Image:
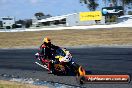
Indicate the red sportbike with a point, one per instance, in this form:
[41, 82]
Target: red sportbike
[62, 63]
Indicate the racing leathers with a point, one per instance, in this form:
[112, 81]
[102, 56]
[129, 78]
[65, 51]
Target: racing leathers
[46, 52]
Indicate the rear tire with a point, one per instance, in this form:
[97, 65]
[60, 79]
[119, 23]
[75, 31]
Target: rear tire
[60, 70]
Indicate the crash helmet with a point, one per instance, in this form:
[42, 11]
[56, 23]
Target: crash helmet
[47, 41]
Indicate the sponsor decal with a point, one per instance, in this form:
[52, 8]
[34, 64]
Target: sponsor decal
[109, 11]
[94, 15]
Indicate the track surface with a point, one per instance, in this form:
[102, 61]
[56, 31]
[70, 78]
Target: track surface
[20, 62]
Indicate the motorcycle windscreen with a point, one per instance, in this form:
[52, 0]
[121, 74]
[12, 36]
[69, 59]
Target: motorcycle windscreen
[60, 52]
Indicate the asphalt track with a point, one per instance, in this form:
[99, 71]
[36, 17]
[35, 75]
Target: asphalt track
[20, 63]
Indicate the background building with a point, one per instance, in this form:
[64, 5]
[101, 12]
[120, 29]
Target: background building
[7, 22]
[68, 20]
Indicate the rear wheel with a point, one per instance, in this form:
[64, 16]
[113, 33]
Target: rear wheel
[59, 69]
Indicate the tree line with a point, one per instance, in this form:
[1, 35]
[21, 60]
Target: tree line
[28, 22]
[93, 4]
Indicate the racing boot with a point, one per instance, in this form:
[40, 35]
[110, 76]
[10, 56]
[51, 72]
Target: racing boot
[51, 68]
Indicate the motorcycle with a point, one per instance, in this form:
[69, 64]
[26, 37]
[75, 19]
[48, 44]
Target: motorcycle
[62, 64]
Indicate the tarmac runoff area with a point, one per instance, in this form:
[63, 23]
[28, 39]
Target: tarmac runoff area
[20, 66]
[100, 59]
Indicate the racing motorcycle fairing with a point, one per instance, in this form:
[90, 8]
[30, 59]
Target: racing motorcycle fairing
[63, 55]
[62, 64]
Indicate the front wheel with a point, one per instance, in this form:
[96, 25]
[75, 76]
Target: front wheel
[74, 67]
[81, 80]
[80, 75]
[81, 71]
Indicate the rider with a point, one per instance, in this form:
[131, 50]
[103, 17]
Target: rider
[46, 52]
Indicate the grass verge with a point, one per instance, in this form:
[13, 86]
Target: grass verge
[68, 37]
[8, 84]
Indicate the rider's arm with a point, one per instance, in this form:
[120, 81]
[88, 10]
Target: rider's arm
[54, 46]
[42, 50]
